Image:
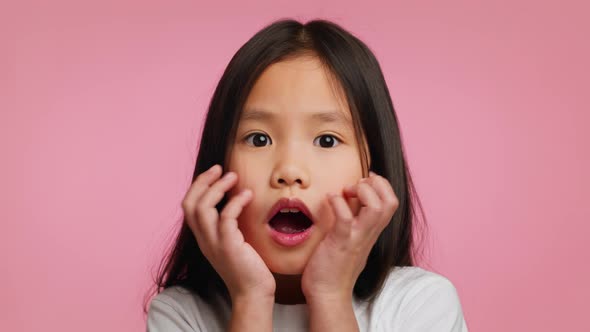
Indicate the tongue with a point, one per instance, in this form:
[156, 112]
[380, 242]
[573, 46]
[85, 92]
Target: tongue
[290, 223]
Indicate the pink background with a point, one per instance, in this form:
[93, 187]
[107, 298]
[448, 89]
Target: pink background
[101, 107]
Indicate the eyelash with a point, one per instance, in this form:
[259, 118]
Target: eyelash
[247, 139]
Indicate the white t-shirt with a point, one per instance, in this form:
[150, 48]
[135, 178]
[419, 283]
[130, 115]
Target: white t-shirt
[412, 299]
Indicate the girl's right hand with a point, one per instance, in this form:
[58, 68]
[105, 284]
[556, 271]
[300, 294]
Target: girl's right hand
[244, 272]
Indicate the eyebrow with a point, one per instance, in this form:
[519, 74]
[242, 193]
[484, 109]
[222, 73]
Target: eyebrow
[257, 114]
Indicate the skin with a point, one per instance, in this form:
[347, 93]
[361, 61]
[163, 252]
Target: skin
[349, 210]
[293, 165]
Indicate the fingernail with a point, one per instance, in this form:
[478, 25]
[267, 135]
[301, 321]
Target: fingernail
[230, 175]
[371, 173]
[247, 192]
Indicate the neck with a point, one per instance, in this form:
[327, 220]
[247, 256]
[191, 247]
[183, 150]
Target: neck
[288, 290]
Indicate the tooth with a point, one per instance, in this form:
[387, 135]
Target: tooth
[294, 210]
[286, 210]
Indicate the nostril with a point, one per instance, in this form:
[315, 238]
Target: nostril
[282, 181]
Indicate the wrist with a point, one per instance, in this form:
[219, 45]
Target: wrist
[252, 294]
[247, 299]
[332, 312]
[329, 299]
[251, 312]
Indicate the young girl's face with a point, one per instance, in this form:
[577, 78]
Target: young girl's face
[295, 139]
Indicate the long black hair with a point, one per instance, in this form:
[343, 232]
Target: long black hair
[354, 66]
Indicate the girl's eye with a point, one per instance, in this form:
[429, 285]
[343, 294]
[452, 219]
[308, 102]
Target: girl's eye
[258, 139]
[326, 141]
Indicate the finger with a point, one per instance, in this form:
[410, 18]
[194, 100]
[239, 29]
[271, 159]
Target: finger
[381, 185]
[202, 233]
[192, 198]
[215, 193]
[386, 194]
[351, 190]
[205, 212]
[371, 213]
[354, 204]
[367, 195]
[228, 221]
[344, 217]
[199, 186]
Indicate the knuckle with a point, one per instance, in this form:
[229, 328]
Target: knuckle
[381, 180]
[200, 207]
[186, 205]
[347, 220]
[394, 202]
[376, 209]
[202, 177]
[392, 207]
[364, 189]
[391, 202]
[201, 216]
[391, 210]
[226, 213]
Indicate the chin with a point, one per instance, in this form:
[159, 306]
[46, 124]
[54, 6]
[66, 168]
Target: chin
[287, 265]
[288, 270]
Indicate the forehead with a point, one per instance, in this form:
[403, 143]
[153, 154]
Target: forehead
[298, 86]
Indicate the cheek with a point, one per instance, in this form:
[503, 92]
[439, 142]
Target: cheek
[251, 213]
[245, 176]
[237, 188]
[248, 181]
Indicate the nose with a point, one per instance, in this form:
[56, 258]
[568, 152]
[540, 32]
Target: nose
[288, 173]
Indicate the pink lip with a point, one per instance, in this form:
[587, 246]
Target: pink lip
[289, 240]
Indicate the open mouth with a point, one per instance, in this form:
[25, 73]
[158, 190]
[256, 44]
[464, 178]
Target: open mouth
[290, 221]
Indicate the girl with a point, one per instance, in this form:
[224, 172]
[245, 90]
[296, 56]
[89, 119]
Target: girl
[300, 215]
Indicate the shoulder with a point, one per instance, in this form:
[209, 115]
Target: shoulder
[414, 281]
[178, 309]
[175, 298]
[414, 298]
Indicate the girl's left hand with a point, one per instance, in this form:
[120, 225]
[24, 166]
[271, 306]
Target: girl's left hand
[335, 265]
